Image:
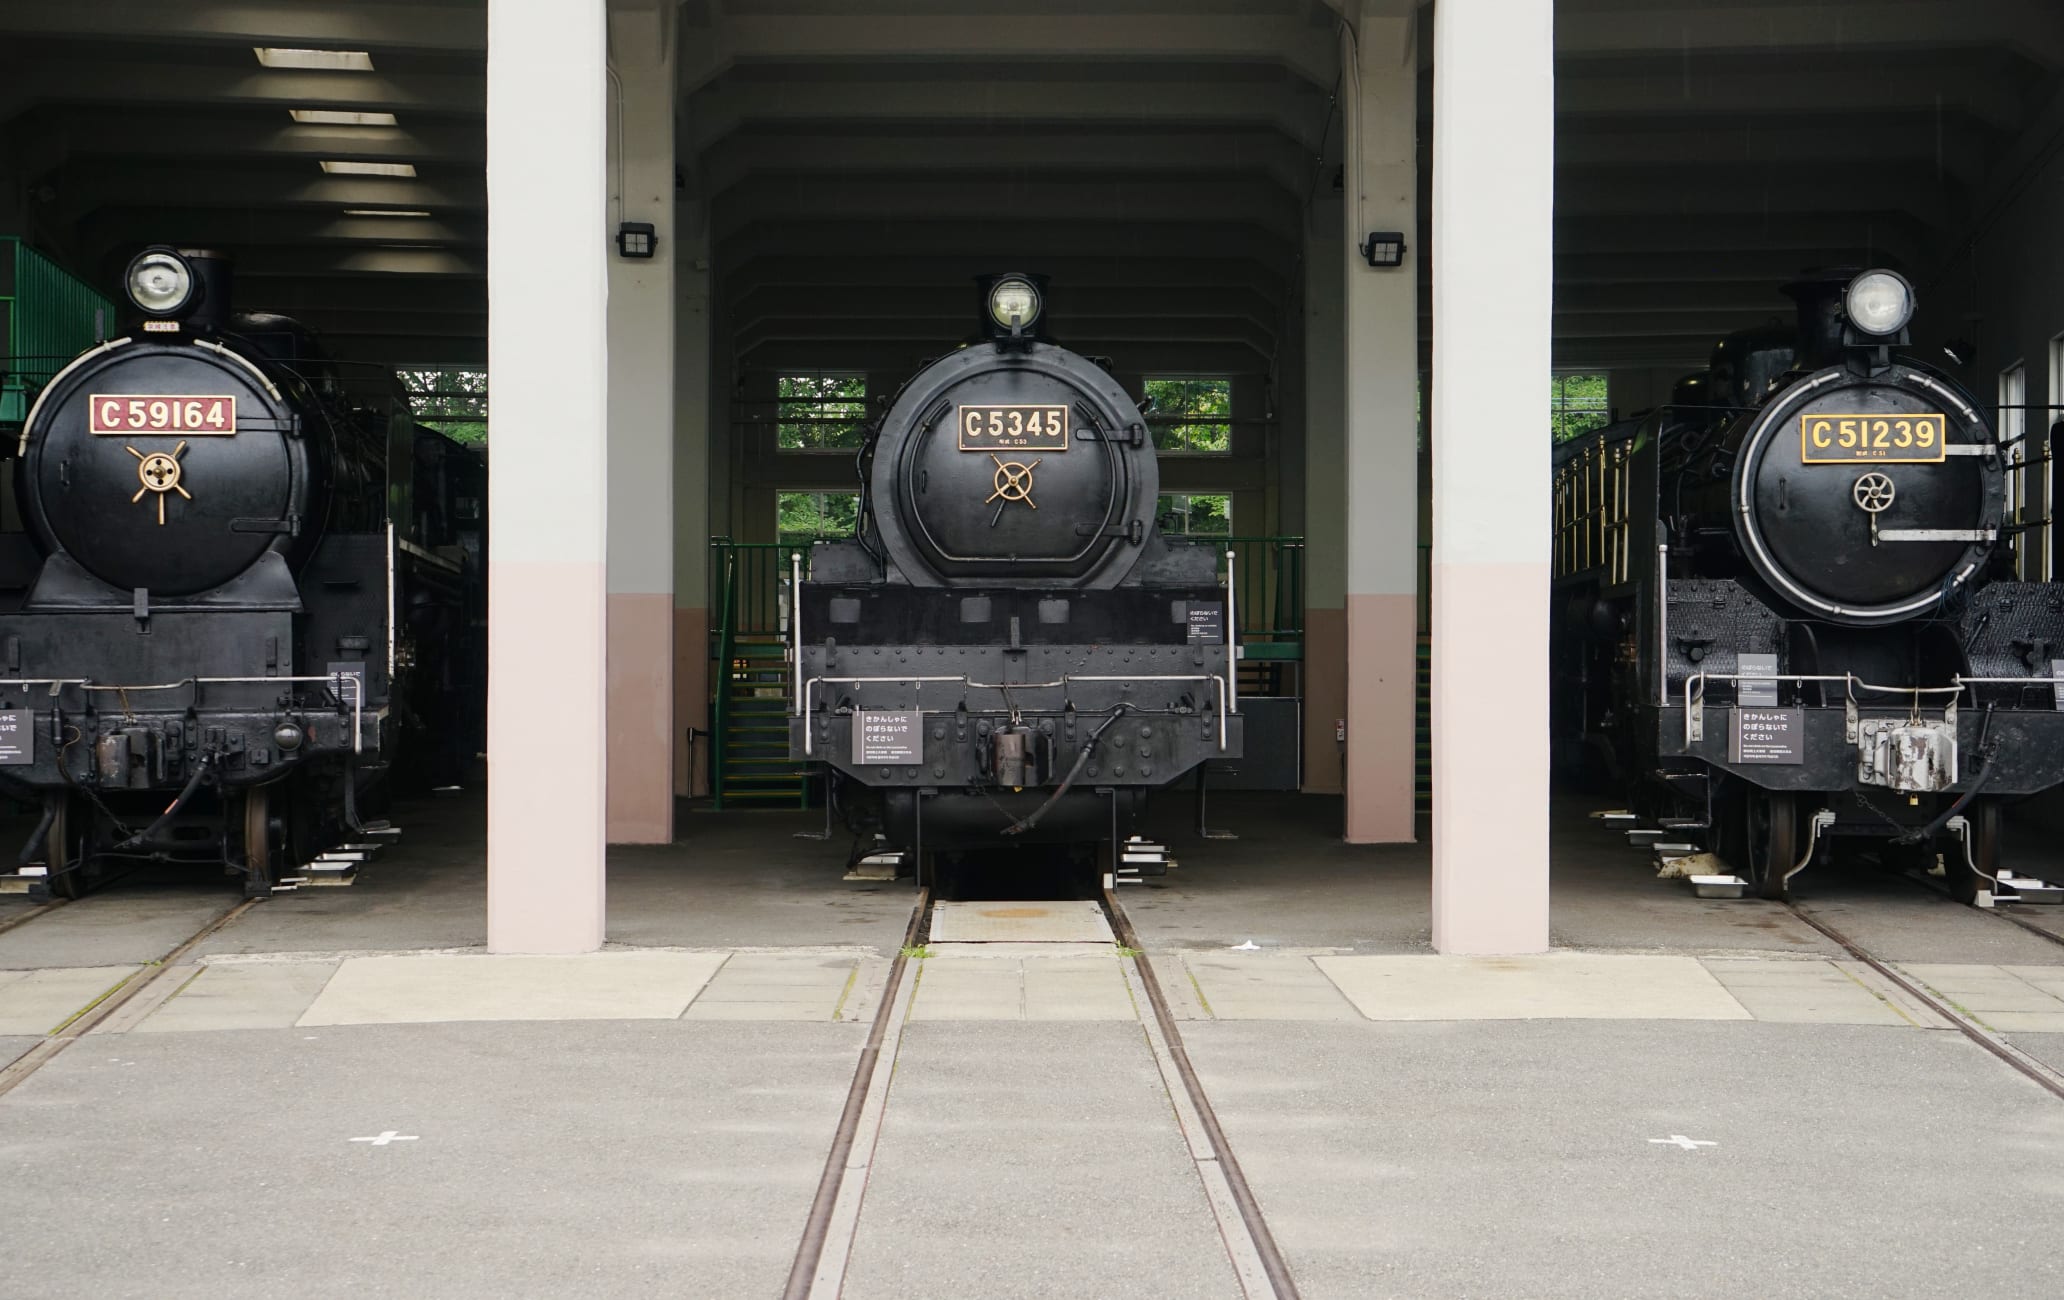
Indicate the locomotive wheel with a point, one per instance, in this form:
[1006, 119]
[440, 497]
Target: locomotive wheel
[1768, 838]
[261, 856]
[72, 873]
[1964, 883]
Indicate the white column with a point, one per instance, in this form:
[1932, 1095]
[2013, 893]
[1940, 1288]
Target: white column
[641, 420]
[548, 360]
[1380, 109]
[1493, 201]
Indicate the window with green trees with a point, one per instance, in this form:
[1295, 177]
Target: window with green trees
[449, 399]
[1577, 403]
[1191, 414]
[820, 411]
[1194, 516]
[805, 517]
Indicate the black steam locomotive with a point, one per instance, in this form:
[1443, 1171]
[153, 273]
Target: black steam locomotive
[245, 573]
[1787, 612]
[1009, 652]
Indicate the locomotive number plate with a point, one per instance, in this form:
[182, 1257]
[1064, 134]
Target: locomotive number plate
[127, 413]
[1013, 428]
[1841, 439]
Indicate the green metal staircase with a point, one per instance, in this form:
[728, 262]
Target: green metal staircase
[754, 684]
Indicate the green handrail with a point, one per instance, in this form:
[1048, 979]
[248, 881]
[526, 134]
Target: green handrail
[720, 707]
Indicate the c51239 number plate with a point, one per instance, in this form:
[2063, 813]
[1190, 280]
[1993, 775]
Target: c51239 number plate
[1013, 428]
[1843, 439]
[125, 414]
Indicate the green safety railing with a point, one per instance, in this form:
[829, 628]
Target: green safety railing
[751, 687]
[47, 317]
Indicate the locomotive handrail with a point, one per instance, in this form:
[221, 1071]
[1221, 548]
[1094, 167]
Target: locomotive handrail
[810, 692]
[1695, 730]
[87, 684]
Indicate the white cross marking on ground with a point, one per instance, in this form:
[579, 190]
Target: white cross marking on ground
[389, 1136]
[1674, 1140]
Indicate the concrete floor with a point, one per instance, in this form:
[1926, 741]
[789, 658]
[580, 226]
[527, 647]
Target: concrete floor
[652, 1118]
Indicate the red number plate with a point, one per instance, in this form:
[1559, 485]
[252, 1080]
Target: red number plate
[133, 413]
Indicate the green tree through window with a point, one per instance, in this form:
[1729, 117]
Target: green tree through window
[805, 517]
[1577, 404]
[1191, 414]
[1194, 516]
[449, 399]
[820, 412]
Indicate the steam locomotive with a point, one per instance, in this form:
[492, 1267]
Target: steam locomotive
[1009, 652]
[244, 573]
[1787, 610]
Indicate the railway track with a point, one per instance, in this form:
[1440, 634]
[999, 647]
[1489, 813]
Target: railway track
[31, 913]
[819, 1268]
[84, 1022]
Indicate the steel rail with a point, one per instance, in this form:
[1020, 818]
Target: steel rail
[40, 909]
[2035, 1071]
[1251, 1217]
[802, 1272]
[86, 1021]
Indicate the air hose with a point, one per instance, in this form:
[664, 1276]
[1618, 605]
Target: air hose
[1928, 832]
[192, 787]
[1031, 819]
[28, 853]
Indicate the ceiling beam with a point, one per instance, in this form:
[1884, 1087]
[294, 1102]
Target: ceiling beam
[1773, 86]
[1661, 28]
[1007, 242]
[1069, 275]
[27, 81]
[900, 358]
[1011, 98]
[448, 26]
[112, 133]
[1081, 37]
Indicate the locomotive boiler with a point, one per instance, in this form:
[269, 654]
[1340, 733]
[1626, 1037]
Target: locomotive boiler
[228, 600]
[1009, 651]
[1787, 611]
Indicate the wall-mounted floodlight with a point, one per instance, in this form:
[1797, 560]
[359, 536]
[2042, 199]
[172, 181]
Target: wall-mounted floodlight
[636, 239]
[1384, 248]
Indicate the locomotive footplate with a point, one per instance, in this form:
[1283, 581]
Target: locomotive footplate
[904, 748]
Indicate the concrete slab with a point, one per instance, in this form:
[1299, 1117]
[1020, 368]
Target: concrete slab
[1028, 1160]
[1518, 1159]
[1802, 992]
[1993, 995]
[771, 986]
[1259, 986]
[258, 995]
[2047, 1048]
[428, 989]
[1047, 921]
[132, 923]
[583, 1160]
[13, 1045]
[968, 988]
[37, 1002]
[1077, 988]
[1557, 985]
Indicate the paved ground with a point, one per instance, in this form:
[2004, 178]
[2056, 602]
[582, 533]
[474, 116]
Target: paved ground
[655, 1117]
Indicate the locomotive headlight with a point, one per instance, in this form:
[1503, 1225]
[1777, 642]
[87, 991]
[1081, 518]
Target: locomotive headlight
[160, 282]
[1014, 302]
[1880, 303]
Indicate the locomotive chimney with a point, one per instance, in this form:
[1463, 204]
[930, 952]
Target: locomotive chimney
[217, 278]
[1821, 320]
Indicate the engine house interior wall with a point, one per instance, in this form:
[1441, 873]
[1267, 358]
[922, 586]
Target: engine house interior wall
[697, 390]
[1325, 496]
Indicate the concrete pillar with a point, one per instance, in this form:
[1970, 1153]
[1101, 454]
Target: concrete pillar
[694, 412]
[641, 428]
[1493, 202]
[1380, 110]
[548, 294]
[1325, 495]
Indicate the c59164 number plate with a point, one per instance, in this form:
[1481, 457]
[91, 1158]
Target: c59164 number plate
[1013, 428]
[1841, 439]
[124, 414]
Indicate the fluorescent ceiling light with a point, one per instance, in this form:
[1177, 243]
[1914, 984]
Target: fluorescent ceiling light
[273, 56]
[336, 168]
[339, 117]
[385, 212]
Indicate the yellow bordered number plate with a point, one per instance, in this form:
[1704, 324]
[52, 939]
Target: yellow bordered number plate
[125, 415]
[1900, 439]
[1013, 428]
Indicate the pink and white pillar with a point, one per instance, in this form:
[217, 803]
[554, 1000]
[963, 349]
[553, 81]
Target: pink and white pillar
[548, 277]
[1493, 207]
[1380, 110]
[641, 428]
